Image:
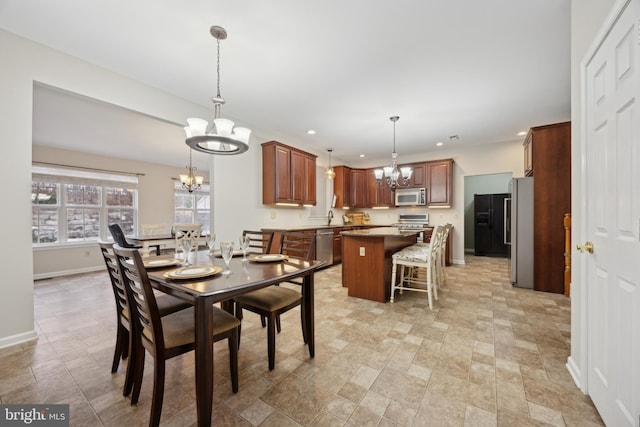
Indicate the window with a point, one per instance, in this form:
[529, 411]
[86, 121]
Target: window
[192, 208]
[76, 206]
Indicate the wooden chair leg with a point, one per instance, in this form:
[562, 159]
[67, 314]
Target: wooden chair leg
[158, 392]
[129, 379]
[138, 370]
[238, 312]
[121, 351]
[303, 323]
[271, 341]
[278, 327]
[394, 269]
[233, 358]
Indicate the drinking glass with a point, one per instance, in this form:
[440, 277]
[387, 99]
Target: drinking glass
[244, 246]
[186, 247]
[210, 239]
[226, 250]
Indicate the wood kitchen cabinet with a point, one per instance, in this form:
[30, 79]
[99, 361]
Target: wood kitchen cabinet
[378, 194]
[342, 186]
[359, 188]
[550, 150]
[528, 154]
[439, 181]
[288, 175]
[419, 175]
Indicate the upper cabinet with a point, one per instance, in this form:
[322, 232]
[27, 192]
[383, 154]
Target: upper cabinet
[419, 175]
[288, 175]
[528, 154]
[359, 188]
[439, 181]
[342, 186]
[378, 195]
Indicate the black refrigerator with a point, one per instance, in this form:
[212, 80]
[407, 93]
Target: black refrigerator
[492, 224]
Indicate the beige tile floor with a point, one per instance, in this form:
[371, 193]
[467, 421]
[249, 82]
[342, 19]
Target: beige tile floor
[486, 355]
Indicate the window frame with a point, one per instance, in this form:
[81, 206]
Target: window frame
[179, 190]
[104, 181]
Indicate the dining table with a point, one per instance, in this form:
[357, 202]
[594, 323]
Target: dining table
[151, 240]
[203, 292]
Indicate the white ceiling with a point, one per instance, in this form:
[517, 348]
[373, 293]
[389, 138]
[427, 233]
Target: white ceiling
[483, 70]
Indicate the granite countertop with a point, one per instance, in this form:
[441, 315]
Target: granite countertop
[381, 232]
[318, 227]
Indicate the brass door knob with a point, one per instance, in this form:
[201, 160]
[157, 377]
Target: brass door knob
[588, 246]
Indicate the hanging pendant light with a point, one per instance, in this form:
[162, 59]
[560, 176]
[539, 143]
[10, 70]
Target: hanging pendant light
[221, 137]
[190, 181]
[329, 173]
[390, 175]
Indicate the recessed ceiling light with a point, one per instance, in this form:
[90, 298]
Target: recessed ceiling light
[361, 155]
[522, 133]
[440, 144]
[311, 132]
[454, 138]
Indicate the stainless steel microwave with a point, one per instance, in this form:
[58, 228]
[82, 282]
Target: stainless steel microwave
[411, 196]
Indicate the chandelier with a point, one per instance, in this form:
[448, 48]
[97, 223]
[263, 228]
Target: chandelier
[390, 175]
[329, 173]
[190, 181]
[221, 137]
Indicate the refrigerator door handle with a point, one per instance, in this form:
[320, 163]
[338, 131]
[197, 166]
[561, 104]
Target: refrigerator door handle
[507, 220]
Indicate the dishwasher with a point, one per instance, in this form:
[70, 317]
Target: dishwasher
[324, 246]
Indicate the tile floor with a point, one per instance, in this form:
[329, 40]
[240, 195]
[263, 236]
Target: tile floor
[486, 355]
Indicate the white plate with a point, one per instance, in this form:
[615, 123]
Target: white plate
[267, 258]
[162, 262]
[192, 272]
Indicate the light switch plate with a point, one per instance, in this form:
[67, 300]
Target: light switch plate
[361, 250]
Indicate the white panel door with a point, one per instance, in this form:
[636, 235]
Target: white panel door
[612, 176]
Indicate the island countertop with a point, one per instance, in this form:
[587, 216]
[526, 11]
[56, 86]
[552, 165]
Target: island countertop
[381, 232]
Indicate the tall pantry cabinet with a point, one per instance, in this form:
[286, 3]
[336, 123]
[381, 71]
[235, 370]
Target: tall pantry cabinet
[547, 157]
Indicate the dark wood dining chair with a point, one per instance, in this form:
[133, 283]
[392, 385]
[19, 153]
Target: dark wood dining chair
[166, 305]
[121, 239]
[272, 301]
[259, 241]
[168, 336]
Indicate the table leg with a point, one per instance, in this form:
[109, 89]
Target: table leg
[204, 360]
[307, 300]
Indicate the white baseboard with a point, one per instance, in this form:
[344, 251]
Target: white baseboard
[573, 369]
[18, 339]
[52, 274]
[458, 261]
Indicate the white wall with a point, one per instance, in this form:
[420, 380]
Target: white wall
[24, 62]
[587, 16]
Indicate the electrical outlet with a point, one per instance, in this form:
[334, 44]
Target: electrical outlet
[361, 250]
[87, 253]
[273, 215]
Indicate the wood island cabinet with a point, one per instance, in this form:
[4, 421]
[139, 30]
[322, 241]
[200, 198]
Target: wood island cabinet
[288, 175]
[440, 183]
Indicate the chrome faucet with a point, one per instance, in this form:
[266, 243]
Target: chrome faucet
[329, 217]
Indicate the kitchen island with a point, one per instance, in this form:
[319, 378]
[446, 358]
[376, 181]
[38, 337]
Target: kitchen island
[366, 260]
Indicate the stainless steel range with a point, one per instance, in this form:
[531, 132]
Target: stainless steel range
[413, 222]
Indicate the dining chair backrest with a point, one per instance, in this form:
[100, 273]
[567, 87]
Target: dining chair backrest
[188, 231]
[155, 229]
[298, 245]
[119, 237]
[143, 306]
[119, 292]
[259, 241]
